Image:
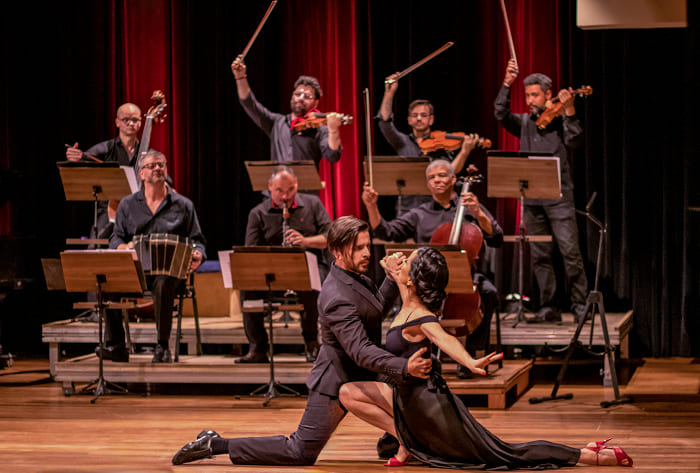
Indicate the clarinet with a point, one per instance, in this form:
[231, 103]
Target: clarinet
[285, 223]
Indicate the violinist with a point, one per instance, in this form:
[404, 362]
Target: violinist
[556, 217]
[307, 223]
[286, 144]
[421, 222]
[420, 120]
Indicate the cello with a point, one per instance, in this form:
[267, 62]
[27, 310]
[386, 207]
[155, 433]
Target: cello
[469, 237]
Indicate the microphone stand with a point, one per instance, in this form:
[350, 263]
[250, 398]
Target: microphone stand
[593, 301]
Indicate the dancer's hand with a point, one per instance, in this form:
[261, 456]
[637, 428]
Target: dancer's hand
[477, 365]
[393, 264]
[419, 367]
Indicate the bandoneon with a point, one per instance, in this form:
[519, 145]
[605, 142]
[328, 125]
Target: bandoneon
[163, 254]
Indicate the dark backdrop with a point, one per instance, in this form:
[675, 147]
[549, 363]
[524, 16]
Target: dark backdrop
[68, 65]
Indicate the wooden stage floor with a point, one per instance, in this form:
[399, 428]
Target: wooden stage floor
[44, 431]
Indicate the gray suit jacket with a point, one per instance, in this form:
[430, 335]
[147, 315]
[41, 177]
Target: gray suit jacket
[351, 333]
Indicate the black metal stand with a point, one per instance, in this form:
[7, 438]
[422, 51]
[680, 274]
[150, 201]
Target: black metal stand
[286, 316]
[100, 386]
[594, 302]
[187, 291]
[520, 316]
[272, 387]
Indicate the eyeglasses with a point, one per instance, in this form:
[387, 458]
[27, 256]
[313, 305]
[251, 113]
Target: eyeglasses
[156, 164]
[303, 95]
[128, 120]
[419, 115]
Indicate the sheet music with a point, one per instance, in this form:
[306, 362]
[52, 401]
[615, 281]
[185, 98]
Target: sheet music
[225, 263]
[314, 276]
[551, 158]
[130, 174]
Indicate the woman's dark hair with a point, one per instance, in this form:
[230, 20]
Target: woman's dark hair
[430, 275]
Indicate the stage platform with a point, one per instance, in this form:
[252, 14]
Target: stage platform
[229, 330]
[510, 381]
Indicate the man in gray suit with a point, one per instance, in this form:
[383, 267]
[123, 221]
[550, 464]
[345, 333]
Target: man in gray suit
[351, 309]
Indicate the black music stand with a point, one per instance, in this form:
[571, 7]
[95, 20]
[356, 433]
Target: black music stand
[593, 301]
[396, 175]
[111, 271]
[272, 268]
[308, 179]
[528, 175]
[94, 182]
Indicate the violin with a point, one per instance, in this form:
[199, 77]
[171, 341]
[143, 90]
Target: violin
[554, 107]
[468, 236]
[449, 141]
[316, 120]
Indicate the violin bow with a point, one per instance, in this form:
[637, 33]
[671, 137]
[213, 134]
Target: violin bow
[421, 62]
[510, 35]
[368, 131]
[262, 23]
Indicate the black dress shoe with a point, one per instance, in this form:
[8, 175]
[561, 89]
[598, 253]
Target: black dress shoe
[253, 357]
[197, 450]
[387, 446]
[161, 355]
[117, 353]
[463, 372]
[311, 351]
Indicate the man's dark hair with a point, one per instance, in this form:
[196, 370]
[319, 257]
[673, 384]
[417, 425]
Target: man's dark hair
[343, 232]
[280, 169]
[542, 80]
[430, 276]
[310, 82]
[418, 102]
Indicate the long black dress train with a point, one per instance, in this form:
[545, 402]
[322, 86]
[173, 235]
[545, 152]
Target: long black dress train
[437, 428]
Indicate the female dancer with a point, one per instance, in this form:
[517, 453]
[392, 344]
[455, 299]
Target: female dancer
[432, 424]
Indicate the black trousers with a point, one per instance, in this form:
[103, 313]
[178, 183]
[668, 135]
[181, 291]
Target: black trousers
[254, 322]
[164, 289]
[478, 340]
[321, 417]
[558, 220]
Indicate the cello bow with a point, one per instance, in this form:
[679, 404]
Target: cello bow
[511, 45]
[421, 62]
[257, 31]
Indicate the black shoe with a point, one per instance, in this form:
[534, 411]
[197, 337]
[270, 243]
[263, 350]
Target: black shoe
[311, 351]
[463, 373]
[161, 355]
[197, 450]
[546, 314]
[117, 353]
[577, 311]
[387, 446]
[253, 357]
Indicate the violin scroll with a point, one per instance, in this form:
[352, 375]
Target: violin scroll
[156, 112]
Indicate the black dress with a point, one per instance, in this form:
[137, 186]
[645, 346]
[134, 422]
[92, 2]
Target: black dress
[437, 428]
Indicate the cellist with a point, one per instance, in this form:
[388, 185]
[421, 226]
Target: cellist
[421, 222]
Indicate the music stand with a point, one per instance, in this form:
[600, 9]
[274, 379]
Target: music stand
[308, 179]
[528, 175]
[111, 271]
[94, 182]
[272, 268]
[397, 175]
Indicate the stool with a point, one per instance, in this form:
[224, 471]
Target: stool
[187, 292]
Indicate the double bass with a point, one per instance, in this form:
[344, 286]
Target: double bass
[469, 237]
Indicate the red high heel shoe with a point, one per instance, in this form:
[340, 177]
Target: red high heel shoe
[393, 461]
[620, 454]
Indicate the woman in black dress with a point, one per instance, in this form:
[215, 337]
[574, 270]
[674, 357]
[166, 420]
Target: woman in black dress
[431, 424]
